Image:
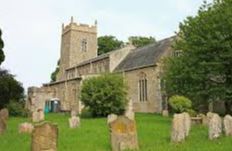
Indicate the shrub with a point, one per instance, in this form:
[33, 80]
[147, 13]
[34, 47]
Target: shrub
[180, 103]
[192, 112]
[17, 109]
[104, 94]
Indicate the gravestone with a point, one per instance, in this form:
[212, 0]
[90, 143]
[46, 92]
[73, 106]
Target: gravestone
[26, 128]
[227, 122]
[4, 113]
[74, 122]
[123, 134]
[44, 137]
[178, 133]
[215, 126]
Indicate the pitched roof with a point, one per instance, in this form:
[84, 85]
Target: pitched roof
[145, 56]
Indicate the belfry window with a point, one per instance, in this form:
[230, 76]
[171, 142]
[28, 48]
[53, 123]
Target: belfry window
[84, 45]
[142, 87]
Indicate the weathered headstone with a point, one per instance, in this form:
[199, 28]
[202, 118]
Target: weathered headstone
[26, 128]
[215, 126]
[187, 123]
[123, 134]
[4, 113]
[44, 137]
[74, 122]
[178, 133]
[165, 113]
[227, 122]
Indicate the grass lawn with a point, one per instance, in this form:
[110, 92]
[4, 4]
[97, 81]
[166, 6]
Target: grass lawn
[93, 135]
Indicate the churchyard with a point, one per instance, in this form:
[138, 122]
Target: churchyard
[154, 134]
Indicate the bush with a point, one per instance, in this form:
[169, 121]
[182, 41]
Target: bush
[180, 103]
[17, 109]
[104, 95]
[192, 112]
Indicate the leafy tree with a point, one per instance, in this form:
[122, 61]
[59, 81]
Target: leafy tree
[10, 88]
[139, 41]
[104, 94]
[204, 70]
[54, 74]
[108, 43]
[2, 56]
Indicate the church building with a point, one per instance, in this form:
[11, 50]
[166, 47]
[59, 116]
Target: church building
[140, 67]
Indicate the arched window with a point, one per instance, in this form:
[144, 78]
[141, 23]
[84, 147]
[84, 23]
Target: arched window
[142, 87]
[84, 45]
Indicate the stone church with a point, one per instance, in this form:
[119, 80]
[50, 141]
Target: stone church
[141, 68]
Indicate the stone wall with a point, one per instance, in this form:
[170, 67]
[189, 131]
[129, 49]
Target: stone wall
[154, 101]
[67, 92]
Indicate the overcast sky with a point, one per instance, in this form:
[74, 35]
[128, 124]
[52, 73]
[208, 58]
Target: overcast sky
[32, 28]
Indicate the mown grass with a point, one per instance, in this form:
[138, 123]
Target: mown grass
[93, 135]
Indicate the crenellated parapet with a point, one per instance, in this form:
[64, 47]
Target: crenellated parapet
[79, 27]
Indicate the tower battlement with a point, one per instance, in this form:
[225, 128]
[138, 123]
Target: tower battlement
[79, 27]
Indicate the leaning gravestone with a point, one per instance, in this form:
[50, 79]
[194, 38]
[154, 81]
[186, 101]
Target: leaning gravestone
[178, 133]
[123, 134]
[4, 113]
[227, 122]
[215, 126]
[44, 137]
[74, 122]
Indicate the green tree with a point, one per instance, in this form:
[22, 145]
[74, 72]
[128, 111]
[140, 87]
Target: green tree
[140, 41]
[54, 73]
[10, 88]
[2, 56]
[203, 72]
[104, 95]
[108, 43]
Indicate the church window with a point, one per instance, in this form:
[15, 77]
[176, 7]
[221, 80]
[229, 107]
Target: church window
[84, 45]
[142, 87]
